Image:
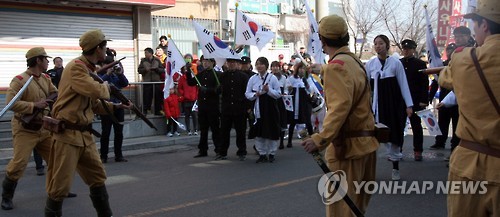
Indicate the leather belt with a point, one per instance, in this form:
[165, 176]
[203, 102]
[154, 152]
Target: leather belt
[360, 133]
[483, 149]
[81, 128]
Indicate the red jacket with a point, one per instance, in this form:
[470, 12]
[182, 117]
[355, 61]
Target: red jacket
[171, 106]
[187, 93]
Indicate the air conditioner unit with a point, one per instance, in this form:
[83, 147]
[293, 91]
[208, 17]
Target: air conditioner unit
[226, 24]
[284, 8]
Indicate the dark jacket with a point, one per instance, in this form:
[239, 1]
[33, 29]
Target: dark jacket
[418, 82]
[234, 85]
[208, 93]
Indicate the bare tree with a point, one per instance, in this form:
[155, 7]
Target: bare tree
[406, 20]
[363, 16]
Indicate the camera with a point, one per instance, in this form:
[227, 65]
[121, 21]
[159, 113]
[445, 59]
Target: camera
[117, 69]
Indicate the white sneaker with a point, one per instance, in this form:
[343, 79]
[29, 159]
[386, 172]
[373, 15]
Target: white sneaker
[190, 133]
[195, 133]
[177, 134]
[170, 134]
[395, 175]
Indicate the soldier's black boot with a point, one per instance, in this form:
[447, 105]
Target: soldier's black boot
[9, 187]
[99, 197]
[53, 208]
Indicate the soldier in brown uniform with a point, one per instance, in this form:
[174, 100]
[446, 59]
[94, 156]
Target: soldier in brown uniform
[27, 137]
[477, 157]
[74, 149]
[344, 77]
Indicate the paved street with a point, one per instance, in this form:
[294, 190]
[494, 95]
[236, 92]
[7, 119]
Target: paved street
[169, 182]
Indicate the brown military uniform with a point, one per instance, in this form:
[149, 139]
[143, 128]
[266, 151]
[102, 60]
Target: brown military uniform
[72, 149]
[344, 81]
[479, 123]
[25, 140]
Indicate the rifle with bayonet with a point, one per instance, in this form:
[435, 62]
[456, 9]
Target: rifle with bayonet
[28, 118]
[431, 71]
[114, 91]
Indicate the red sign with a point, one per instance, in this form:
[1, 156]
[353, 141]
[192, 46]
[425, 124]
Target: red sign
[443, 27]
[147, 2]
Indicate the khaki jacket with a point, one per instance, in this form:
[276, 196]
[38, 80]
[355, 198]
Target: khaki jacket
[479, 121]
[40, 88]
[344, 81]
[78, 100]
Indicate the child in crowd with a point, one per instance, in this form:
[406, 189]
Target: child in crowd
[172, 111]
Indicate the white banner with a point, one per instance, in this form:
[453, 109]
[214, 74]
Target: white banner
[212, 46]
[249, 32]
[314, 44]
[430, 121]
[174, 63]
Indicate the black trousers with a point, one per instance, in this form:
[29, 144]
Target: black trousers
[209, 119]
[445, 116]
[150, 92]
[106, 124]
[38, 160]
[291, 128]
[188, 114]
[418, 133]
[171, 126]
[239, 122]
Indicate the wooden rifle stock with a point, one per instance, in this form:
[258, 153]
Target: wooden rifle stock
[114, 91]
[431, 71]
[27, 118]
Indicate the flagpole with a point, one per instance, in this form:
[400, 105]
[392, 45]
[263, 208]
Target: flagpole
[235, 24]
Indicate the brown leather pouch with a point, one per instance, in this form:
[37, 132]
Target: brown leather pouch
[53, 125]
[339, 143]
[382, 133]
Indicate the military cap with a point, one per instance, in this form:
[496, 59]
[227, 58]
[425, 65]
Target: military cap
[36, 51]
[408, 43]
[245, 60]
[461, 30]
[489, 9]
[91, 39]
[332, 27]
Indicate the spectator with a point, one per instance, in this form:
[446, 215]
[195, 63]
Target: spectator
[56, 72]
[392, 101]
[163, 43]
[172, 112]
[151, 69]
[188, 96]
[116, 77]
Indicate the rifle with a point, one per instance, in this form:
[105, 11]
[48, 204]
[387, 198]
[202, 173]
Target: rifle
[321, 163]
[114, 91]
[27, 118]
[431, 71]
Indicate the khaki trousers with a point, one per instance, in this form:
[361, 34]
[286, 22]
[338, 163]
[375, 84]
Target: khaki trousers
[477, 205]
[64, 160]
[23, 143]
[362, 169]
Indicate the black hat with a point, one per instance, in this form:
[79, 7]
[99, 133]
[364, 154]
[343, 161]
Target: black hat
[245, 60]
[408, 43]
[461, 30]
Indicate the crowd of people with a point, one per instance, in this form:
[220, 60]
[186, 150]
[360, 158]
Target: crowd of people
[338, 103]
